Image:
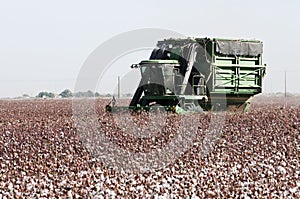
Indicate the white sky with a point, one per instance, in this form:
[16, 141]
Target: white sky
[43, 44]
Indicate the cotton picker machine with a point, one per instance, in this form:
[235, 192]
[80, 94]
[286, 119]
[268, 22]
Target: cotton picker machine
[199, 74]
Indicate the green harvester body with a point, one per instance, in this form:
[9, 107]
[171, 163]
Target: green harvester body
[200, 74]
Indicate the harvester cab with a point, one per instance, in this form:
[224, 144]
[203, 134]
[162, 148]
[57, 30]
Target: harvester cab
[161, 84]
[199, 74]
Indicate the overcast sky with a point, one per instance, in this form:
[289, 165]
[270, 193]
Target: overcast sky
[43, 44]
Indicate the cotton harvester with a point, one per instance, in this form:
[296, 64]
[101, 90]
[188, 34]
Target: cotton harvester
[200, 73]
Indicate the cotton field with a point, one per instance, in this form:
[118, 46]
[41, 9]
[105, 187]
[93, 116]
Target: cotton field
[43, 155]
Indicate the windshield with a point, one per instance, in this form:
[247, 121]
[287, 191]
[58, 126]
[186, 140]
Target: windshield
[162, 75]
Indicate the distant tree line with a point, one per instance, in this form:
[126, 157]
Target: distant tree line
[45, 94]
[68, 93]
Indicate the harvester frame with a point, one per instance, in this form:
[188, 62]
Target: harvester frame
[205, 73]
